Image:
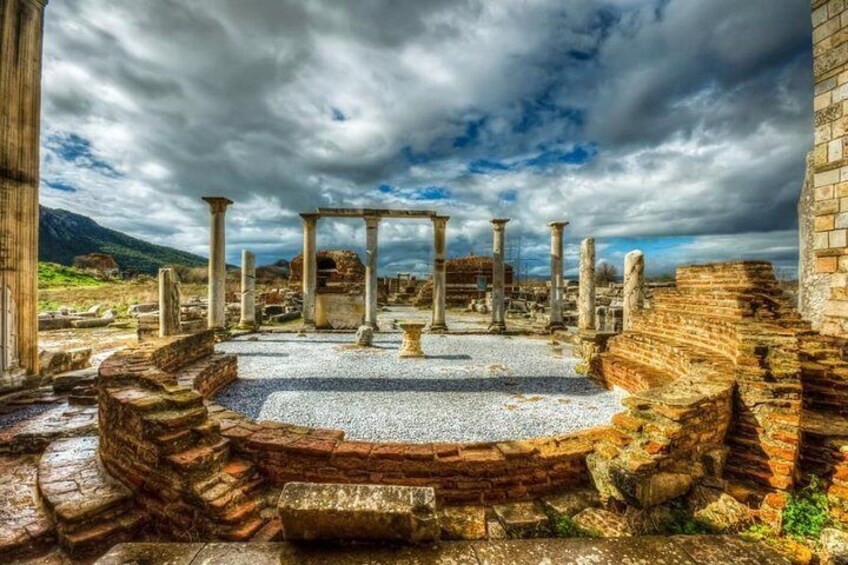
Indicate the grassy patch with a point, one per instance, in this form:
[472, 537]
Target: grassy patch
[52, 275]
[681, 521]
[807, 512]
[565, 527]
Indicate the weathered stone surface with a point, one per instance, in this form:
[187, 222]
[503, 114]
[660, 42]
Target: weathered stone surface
[325, 511]
[717, 510]
[570, 503]
[247, 319]
[705, 550]
[24, 521]
[55, 362]
[602, 523]
[154, 553]
[66, 382]
[463, 522]
[522, 519]
[365, 336]
[834, 547]
[34, 434]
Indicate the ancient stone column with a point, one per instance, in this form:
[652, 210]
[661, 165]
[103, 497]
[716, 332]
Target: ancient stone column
[169, 303]
[498, 323]
[217, 308]
[586, 296]
[557, 229]
[439, 228]
[21, 25]
[371, 225]
[634, 286]
[248, 291]
[310, 268]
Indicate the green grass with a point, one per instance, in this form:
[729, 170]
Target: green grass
[52, 275]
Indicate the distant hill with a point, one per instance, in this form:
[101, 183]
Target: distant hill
[63, 235]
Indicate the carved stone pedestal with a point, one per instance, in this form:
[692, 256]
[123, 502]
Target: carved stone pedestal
[411, 346]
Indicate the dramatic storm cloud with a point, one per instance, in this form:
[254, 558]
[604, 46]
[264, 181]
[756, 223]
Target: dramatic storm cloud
[676, 126]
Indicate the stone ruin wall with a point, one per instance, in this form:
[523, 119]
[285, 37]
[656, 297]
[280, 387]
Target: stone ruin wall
[349, 271]
[714, 368]
[827, 210]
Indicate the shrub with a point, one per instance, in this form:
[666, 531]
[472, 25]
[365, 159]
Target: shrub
[807, 512]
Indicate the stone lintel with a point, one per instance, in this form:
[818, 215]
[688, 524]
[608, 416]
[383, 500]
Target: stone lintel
[376, 212]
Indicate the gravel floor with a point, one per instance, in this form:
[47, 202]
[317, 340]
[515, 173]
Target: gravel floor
[470, 388]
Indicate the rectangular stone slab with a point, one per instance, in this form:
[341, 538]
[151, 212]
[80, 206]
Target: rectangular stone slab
[310, 511]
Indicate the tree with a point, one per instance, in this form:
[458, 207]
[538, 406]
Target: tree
[605, 274]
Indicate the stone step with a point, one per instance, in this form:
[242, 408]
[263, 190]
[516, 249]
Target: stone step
[631, 375]
[271, 531]
[97, 537]
[75, 485]
[823, 423]
[201, 458]
[170, 420]
[241, 532]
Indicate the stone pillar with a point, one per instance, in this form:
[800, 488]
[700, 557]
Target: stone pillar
[21, 25]
[248, 291]
[634, 286]
[371, 230]
[169, 303]
[217, 308]
[586, 296]
[310, 268]
[498, 323]
[557, 229]
[438, 323]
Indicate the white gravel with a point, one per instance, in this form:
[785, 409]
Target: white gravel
[470, 388]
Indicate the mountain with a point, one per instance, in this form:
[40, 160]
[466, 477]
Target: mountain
[64, 235]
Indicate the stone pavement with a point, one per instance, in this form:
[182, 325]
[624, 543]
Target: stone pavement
[678, 550]
[24, 522]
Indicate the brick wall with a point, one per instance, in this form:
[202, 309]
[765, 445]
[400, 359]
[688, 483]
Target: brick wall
[460, 473]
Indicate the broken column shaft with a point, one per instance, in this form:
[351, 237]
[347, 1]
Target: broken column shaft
[586, 296]
[247, 321]
[634, 286]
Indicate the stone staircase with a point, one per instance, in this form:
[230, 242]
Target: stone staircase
[91, 510]
[190, 478]
[726, 325]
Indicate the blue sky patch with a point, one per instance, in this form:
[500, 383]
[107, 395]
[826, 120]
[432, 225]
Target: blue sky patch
[77, 150]
[338, 115]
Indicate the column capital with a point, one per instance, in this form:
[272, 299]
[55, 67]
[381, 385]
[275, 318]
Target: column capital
[371, 221]
[440, 219]
[499, 223]
[310, 216]
[557, 225]
[217, 204]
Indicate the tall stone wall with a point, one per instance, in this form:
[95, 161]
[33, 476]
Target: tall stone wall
[21, 25]
[830, 160]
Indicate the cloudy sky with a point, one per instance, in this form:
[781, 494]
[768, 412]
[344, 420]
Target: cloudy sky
[675, 126]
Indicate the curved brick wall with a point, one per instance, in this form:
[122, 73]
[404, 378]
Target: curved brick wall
[200, 468]
[460, 473]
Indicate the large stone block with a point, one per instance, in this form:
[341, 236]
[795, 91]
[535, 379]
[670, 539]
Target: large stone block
[311, 511]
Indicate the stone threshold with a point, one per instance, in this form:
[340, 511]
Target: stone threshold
[682, 550]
